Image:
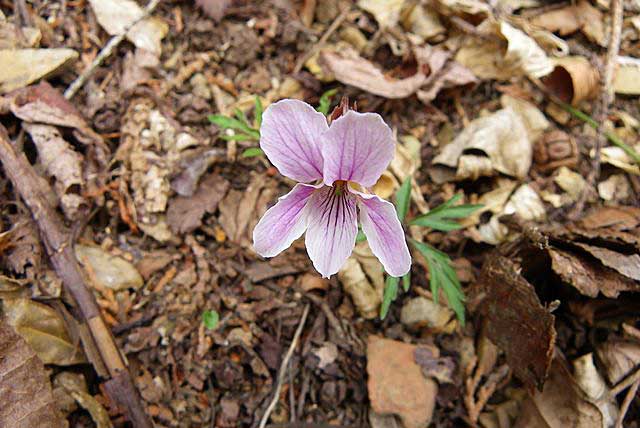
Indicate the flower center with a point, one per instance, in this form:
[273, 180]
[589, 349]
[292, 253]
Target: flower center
[339, 187]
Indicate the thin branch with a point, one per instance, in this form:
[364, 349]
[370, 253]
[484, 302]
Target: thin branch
[626, 403]
[283, 367]
[106, 52]
[625, 383]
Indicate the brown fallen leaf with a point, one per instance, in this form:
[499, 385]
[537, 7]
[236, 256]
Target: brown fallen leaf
[396, 384]
[626, 264]
[77, 389]
[435, 71]
[560, 401]
[26, 399]
[44, 330]
[215, 9]
[22, 67]
[362, 278]
[107, 270]
[185, 213]
[619, 358]
[579, 16]
[516, 320]
[572, 80]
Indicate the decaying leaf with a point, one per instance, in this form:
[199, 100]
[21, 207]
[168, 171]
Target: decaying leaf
[26, 399]
[572, 80]
[505, 136]
[560, 401]
[516, 320]
[421, 312]
[569, 19]
[396, 384]
[617, 157]
[22, 67]
[626, 264]
[571, 182]
[75, 385]
[214, 8]
[627, 76]
[488, 59]
[61, 162]
[619, 358]
[44, 330]
[435, 71]
[9, 39]
[116, 15]
[185, 213]
[386, 12]
[109, 271]
[423, 21]
[25, 252]
[362, 277]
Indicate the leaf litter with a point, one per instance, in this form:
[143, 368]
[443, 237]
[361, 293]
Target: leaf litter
[166, 202]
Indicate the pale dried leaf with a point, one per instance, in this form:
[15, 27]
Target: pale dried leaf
[116, 15]
[571, 182]
[619, 358]
[618, 158]
[185, 213]
[238, 209]
[421, 312]
[22, 67]
[109, 271]
[502, 136]
[44, 330]
[627, 76]
[9, 36]
[362, 277]
[214, 8]
[580, 16]
[386, 12]
[26, 399]
[424, 22]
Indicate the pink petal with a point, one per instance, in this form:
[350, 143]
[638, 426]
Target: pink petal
[358, 147]
[290, 136]
[332, 228]
[283, 223]
[384, 233]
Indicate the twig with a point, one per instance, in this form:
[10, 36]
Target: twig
[332, 28]
[627, 402]
[55, 237]
[283, 367]
[606, 99]
[625, 383]
[106, 52]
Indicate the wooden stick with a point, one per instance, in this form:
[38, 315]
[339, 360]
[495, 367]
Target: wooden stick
[55, 237]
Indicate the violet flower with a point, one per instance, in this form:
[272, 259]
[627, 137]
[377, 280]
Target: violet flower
[334, 165]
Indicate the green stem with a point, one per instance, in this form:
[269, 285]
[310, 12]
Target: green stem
[610, 135]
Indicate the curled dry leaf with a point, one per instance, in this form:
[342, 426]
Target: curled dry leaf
[617, 157]
[424, 22]
[619, 358]
[75, 385]
[61, 162]
[21, 67]
[506, 137]
[185, 213]
[578, 16]
[110, 271]
[396, 384]
[44, 330]
[362, 277]
[116, 15]
[421, 312]
[516, 320]
[488, 59]
[572, 80]
[26, 399]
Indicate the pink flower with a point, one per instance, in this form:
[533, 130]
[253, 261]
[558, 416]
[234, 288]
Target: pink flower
[341, 161]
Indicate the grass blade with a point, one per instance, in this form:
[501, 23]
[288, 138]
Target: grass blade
[403, 198]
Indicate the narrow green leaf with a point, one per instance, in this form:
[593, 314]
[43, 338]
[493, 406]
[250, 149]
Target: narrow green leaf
[225, 122]
[436, 223]
[406, 281]
[325, 101]
[210, 319]
[459, 211]
[252, 152]
[360, 237]
[443, 206]
[238, 137]
[241, 116]
[403, 198]
[390, 294]
[257, 112]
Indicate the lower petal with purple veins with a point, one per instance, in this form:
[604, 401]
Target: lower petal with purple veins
[332, 228]
[384, 233]
[284, 222]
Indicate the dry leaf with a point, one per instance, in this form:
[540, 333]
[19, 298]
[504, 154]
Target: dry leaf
[185, 213]
[476, 8]
[421, 312]
[519, 324]
[26, 399]
[571, 182]
[619, 357]
[573, 80]
[386, 12]
[214, 8]
[423, 21]
[617, 157]
[77, 389]
[44, 330]
[22, 67]
[503, 136]
[580, 16]
[61, 162]
[362, 277]
[116, 15]
[109, 271]
[627, 76]
[560, 401]
[9, 36]
[626, 264]
[396, 384]
[488, 59]
[615, 188]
